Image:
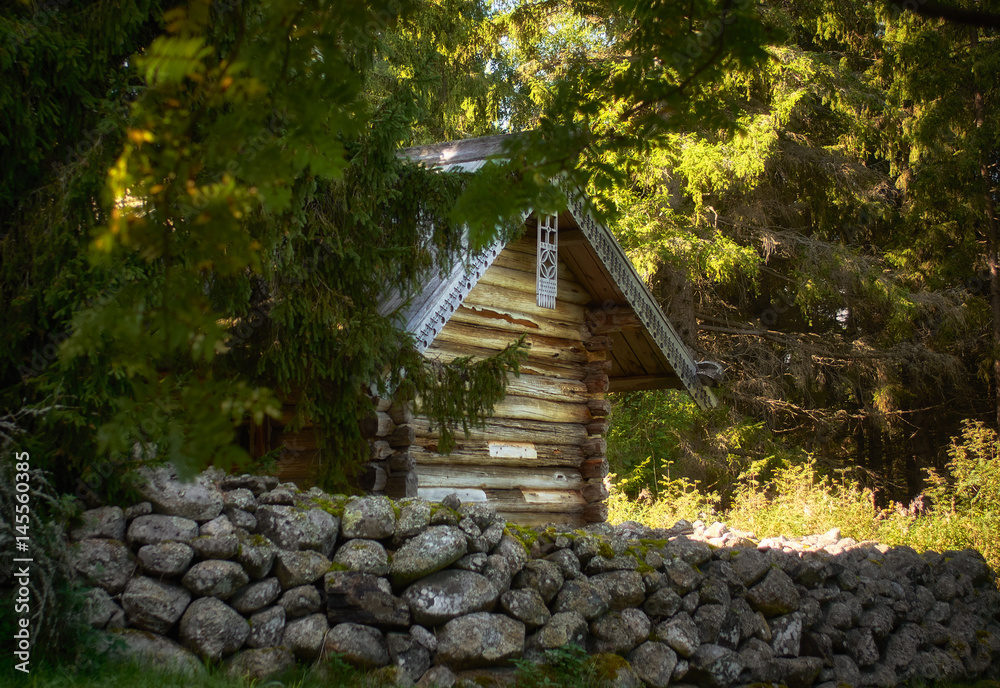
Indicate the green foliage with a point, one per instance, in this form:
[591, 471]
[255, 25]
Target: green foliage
[568, 666]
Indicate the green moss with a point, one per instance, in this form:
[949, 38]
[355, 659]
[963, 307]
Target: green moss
[607, 666]
[333, 506]
[653, 544]
[526, 536]
[257, 541]
[604, 549]
[396, 510]
[334, 566]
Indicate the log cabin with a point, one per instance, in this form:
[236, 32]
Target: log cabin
[592, 327]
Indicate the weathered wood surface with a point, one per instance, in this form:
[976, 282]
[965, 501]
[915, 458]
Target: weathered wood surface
[599, 407]
[513, 430]
[611, 319]
[533, 365]
[595, 446]
[548, 388]
[526, 408]
[521, 280]
[594, 467]
[401, 413]
[377, 424]
[380, 450]
[596, 512]
[491, 295]
[595, 491]
[529, 518]
[502, 317]
[402, 436]
[598, 426]
[545, 479]
[540, 346]
[299, 467]
[638, 383]
[401, 485]
[402, 461]
[543, 501]
[601, 343]
[424, 452]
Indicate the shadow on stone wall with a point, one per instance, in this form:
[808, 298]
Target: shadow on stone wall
[261, 575]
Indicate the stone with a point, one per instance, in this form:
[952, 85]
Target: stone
[299, 568]
[708, 618]
[368, 518]
[427, 553]
[239, 498]
[437, 677]
[483, 514]
[241, 519]
[267, 628]
[366, 556]
[256, 555]
[625, 588]
[215, 578]
[527, 606]
[98, 608]
[285, 494]
[541, 575]
[786, 634]
[212, 629]
[682, 576]
[583, 597]
[880, 619]
[798, 672]
[295, 528]
[662, 604]
[391, 676]
[568, 563]
[414, 517]
[750, 565]
[360, 646]
[714, 591]
[156, 652]
[363, 598]
[107, 564]
[199, 500]
[692, 551]
[937, 665]
[513, 549]
[845, 670]
[654, 663]
[157, 528]
[561, 629]
[715, 666]
[861, 646]
[680, 633]
[255, 596]
[500, 570]
[104, 522]
[258, 665]
[256, 484]
[775, 595]
[217, 547]
[619, 631]
[446, 594]
[424, 637]
[165, 559]
[407, 653]
[300, 601]
[615, 671]
[304, 637]
[472, 562]
[903, 646]
[153, 605]
[480, 639]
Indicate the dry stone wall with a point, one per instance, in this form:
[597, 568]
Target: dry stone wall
[259, 575]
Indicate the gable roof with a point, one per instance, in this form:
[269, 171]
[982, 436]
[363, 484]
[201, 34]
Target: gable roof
[651, 355]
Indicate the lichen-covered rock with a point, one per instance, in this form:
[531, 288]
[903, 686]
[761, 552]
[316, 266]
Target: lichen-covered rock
[427, 553]
[363, 598]
[212, 629]
[561, 629]
[199, 500]
[267, 628]
[715, 666]
[256, 555]
[156, 528]
[153, 605]
[241, 519]
[257, 484]
[104, 522]
[682, 576]
[692, 551]
[256, 595]
[619, 631]
[156, 652]
[437, 677]
[98, 608]
[447, 594]
[662, 604]
[304, 637]
[165, 559]
[680, 633]
[861, 646]
[786, 634]
[527, 606]
[215, 578]
[654, 663]
[414, 517]
[358, 645]
[542, 576]
[775, 595]
[299, 568]
[216, 539]
[240, 498]
[568, 563]
[797, 672]
[368, 518]
[480, 639]
[583, 597]
[259, 664]
[709, 618]
[407, 653]
[292, 528]
[365, 556]
[750, 565]
[107, 564]
[625, 588]
[300, 601]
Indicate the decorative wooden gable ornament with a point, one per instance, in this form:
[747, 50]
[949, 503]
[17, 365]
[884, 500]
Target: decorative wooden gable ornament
[546, 281]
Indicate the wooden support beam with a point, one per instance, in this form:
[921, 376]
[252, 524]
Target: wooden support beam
[595, 446]
[402, 462]
[612, 319]
[401, 413]
[642, 382]
[596, 512]
[380, 450]
[402, 436]
[513, 430]
[402, 485]
[377, 424]
[599, 408]
[597, 383]
[477, 453]
[598, 427]
[599, 343]
[594, 467]
[595, 490]
[500, 477]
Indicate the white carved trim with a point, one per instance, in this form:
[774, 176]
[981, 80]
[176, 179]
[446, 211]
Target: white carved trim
[547, 272]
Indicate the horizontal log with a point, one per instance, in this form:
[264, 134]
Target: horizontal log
[401, 485]
[613, 319]
[500, 477]
[500, 317]
[513, 430]
[424, 452]
[538, 345]
[594, 467]
[373, 479]
[638, 383]
[402, 461]
[436, 494]
[299, 467]
[596, 490]
[377, 424]
[380, 450]
[596, 512]
[599, 407]
[598, 426]
[520, 280]
[523, 257]
[402, 436]
[520, 302]
[383, 404]
[595, 446]
[548, 388]
[599, 343]
[401, 413]
[306, 439]
[597, 383]
[543, 501]
[526, 408]
[445, 352]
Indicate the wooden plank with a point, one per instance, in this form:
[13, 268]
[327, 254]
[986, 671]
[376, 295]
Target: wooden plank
[436, 494]
[625, 357]
[566, 289]
[548, 388]
[542, 501]
[520, 302]
[424, 452]
[545, 479]
[525, 262]
[526, 408]
[584, 263]
[539, 346]
[649, 355]
[641, 382]
[446, 352]
[500, 318]
[501, 429]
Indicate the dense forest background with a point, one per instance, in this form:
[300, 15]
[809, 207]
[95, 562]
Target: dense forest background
[194, 195]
